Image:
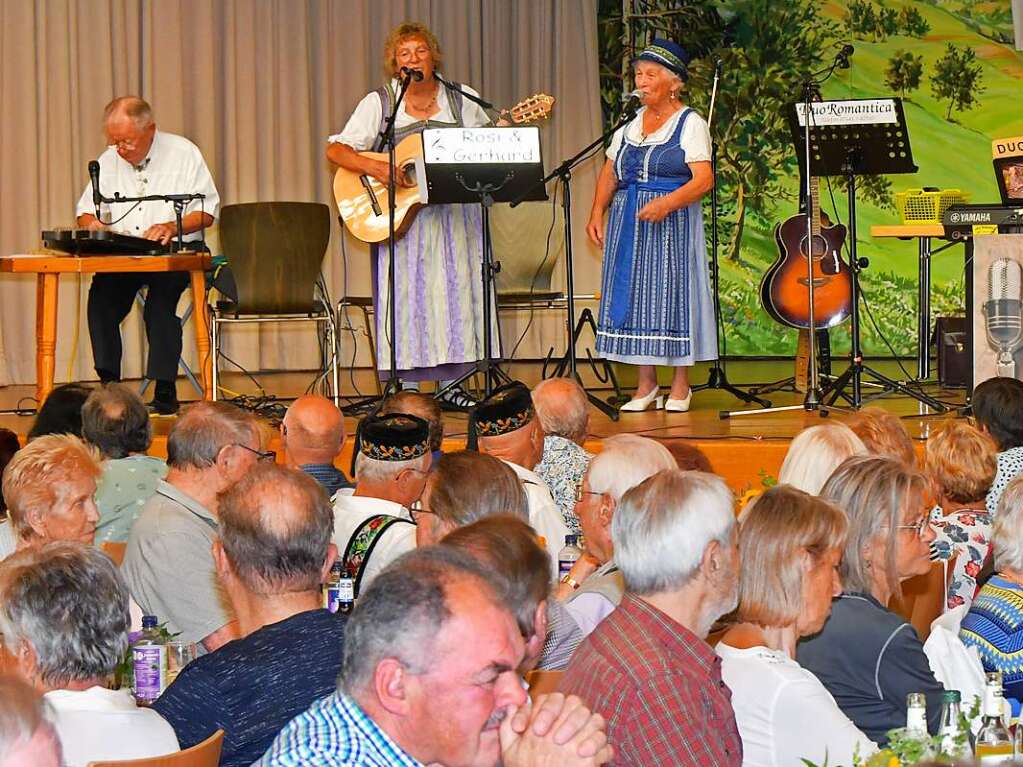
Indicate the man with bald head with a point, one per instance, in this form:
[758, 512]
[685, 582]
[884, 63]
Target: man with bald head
[273, 551]
[312, 435]
[564, 413]
[140, 160]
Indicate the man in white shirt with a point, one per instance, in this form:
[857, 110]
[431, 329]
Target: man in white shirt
[506, 427]
[372, 524]
[139, 160]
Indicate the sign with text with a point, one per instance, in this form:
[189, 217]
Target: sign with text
[488, 146]
[852, 112]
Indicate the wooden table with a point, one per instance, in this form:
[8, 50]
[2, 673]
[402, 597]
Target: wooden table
[48, 269]
[922, 233]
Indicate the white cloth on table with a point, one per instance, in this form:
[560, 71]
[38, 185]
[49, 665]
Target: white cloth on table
[350, 511]
[784, 713]
[955, 665]
[105, 725]
[174, 165]
[695, 138]
[544, 515]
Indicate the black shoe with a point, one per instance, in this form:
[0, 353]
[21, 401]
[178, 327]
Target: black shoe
[164, 406]
[456, 400]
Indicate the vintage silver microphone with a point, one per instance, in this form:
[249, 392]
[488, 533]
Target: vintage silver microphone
[1002, 315]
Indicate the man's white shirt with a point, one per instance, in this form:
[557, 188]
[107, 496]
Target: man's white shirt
[350, 511]
[544, 515]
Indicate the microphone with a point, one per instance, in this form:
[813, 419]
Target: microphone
[1002, 315]
[842, 59]
[97, 197]
[634, 102]
[413, 74]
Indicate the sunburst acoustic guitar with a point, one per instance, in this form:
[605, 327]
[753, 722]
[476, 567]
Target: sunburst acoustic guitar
[363, 201]
[784, 289]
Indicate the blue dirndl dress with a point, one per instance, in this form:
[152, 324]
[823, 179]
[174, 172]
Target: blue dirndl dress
[656, 306]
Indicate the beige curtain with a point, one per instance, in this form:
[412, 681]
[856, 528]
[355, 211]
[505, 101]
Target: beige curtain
[258, 85]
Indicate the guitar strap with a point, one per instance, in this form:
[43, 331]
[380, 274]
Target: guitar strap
[386, 95]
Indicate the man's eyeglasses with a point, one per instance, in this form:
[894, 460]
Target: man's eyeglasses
[579, 493]
[417, 509]
[261, 455]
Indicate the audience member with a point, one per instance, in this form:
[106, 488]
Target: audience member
[815, 453]
[564, 413]
[994, 624]
[273, 553]
[429, 677]
[168, 562]
[997, 405]
[9, 445]
[64, 617]
[412, 402]
[646, 668]
[508, 547]
[790, 544]
[312, 436]
[463, 487]
[594, 586]
[688, 456]
[884, 434]
[27, 738]
[868, 657]
[506, 427]
[116, 421]
[49, 487]
[373, 526]
[61, 412]
[961, 461]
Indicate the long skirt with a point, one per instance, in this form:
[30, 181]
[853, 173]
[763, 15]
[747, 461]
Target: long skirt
[439, 295]
[656, 306]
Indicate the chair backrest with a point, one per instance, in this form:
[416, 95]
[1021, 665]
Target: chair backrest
[205, 754]
[923, 598]
[115, 550]
[519, 239]
[275, 251]
[541, 682]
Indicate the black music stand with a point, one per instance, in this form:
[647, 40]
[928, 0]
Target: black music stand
[870, 147]
[478, 178]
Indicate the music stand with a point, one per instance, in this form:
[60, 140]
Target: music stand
[483, 165]
[850, 138]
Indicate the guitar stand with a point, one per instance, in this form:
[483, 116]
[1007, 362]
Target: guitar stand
[607, 407]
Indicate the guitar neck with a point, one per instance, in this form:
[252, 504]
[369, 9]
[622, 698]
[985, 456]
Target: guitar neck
[815, 206]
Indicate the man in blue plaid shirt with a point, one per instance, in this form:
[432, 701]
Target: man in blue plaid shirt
[429, 676]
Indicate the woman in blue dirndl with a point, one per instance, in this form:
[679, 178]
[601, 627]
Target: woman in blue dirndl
[656, 306]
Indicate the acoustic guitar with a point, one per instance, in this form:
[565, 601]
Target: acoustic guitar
[784, 290]
[362, 200]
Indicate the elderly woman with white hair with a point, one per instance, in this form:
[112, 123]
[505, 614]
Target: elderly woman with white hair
[790, 544]
[815, 453]
[49, 487]
[868, 657]
[994, 624]
[594, 587]
[64, 619]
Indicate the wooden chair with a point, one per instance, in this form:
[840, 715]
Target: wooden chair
[205, 754]
[923, 598]
[114, 550]
[542, 682]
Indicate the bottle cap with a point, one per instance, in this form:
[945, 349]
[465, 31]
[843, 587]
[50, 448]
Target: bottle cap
[951, 696]
[149, 621]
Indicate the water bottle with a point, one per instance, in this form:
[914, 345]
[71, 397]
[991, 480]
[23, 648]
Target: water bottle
[149, 662]
[345, 593]
[954, 741]
[332, 588]
[568, 555]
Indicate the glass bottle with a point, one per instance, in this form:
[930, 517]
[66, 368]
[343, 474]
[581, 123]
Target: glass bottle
[994, 744]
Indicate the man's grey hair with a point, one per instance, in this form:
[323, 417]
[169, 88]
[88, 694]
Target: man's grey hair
[1007, 536]
[371, 470]
[275, 527]
[562, 407]
[115, 419]
[624, 461]
[662, 527]
[203, 430]
[22, 712]
[402, 612]
[69, 603]
[136, 108]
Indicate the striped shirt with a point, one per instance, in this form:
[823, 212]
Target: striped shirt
[329, 476]
[334, 732]
[994, 626]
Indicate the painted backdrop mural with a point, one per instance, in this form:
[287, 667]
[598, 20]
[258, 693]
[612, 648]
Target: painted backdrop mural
[954, 65]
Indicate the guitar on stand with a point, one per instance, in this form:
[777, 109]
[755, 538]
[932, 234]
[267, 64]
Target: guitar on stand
[362, 200]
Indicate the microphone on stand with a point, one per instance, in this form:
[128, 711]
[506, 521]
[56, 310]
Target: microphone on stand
[842, 59]
[97, 196]
[412, 74]
[1002, 316]
[633, 103]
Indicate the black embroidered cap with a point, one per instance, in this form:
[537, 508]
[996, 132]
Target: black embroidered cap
[509, 408]
[396, 437]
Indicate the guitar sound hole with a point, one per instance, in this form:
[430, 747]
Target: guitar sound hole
[820, 247]
[409, 171]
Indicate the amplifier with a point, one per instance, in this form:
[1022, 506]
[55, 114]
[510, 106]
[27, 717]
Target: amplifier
[954, 363]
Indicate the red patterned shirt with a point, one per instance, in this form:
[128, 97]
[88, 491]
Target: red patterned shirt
[659, 687]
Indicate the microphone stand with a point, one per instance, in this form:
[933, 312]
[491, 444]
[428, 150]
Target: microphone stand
[177, 200]
[564, 173]
[717, 377]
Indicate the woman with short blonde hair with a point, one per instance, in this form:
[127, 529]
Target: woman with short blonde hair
[814, 454]
[883, 433]
[790, 544]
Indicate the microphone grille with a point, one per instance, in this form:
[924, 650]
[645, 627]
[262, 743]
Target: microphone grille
[1006, 279]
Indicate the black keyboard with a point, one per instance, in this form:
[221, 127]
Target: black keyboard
[89, 242]
[959, 220]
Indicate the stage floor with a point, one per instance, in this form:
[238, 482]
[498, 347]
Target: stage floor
[743, 449]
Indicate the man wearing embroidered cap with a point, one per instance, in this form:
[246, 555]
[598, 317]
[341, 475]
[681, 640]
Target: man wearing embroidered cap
[372, 524]
[657, 307]
[506, 426]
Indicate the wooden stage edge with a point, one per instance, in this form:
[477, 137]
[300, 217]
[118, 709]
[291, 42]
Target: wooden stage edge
[742, 449]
